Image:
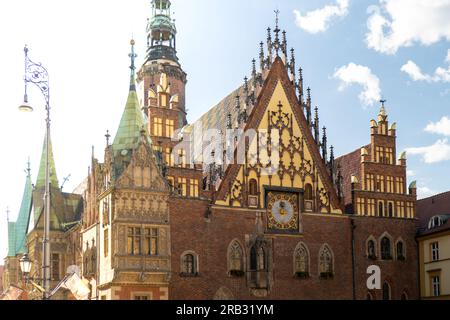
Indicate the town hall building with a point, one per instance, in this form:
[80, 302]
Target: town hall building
[248, 202]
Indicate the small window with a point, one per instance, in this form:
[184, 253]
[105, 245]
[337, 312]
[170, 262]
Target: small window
[435, 251]
[253, 187]
[404, 296]
[436, 286]
[308, 192]
[386, 249]
[189, 266]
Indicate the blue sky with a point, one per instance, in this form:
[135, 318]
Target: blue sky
[85, 47]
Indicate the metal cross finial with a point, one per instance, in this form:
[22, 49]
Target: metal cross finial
[383, 101]
[7, 214]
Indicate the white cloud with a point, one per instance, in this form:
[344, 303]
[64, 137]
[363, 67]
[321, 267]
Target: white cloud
[424, 192]
[441, 127]
[362, 75]
[319, 20]
[416, 74]
[403, 23]
[410, 173]
[414, 71]
[438, 152]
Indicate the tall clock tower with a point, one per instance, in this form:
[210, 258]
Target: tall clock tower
[161, 80]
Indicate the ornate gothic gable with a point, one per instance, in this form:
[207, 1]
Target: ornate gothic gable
[142, 172]
[280, 123]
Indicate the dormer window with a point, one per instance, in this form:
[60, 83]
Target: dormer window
[435, 222]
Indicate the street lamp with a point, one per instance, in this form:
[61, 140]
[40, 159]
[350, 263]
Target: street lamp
[36, 74]
[25, 265]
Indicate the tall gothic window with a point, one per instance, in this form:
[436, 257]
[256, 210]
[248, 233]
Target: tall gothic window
[380, 209]
[386, 291]
[235, 259]
[308, 192]
[253, 187]
[386, 249]
[400, 251]
[371, 252]
[326, 263]
[301, 261]
[391, 209]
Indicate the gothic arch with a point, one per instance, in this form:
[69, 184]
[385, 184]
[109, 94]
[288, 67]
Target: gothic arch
[185, 261]
[236, 258]
[397, 256]
[380, 244]
[387, 290]
[301, 259]
[368, 254]
[326, 261]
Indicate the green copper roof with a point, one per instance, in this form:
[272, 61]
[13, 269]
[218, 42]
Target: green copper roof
[17, 231]
[129, 132]
[41, 175]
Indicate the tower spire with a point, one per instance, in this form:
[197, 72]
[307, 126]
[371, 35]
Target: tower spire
[40, 182]
[133, 57]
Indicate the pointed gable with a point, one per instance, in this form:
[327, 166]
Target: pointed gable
[143, 171]
[299, 158]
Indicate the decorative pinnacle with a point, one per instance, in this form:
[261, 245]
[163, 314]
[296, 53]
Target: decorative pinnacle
[253, 68]
[28, 170]
[277, 14]
[107, 136]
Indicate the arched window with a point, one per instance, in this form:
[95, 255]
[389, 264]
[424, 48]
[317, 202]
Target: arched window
[391, 209]
[308, 192]
[400, 250]
[189, 264]
[325, 263]
[371, 251]
[380, 209]
[253, 187]
[369, 296]
[386, 249]
[235, 259]
[404, 296]
[301, 261]
[386, 291]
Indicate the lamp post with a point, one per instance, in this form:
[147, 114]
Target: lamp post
[36, 74]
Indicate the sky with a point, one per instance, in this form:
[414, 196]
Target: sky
[353, 54]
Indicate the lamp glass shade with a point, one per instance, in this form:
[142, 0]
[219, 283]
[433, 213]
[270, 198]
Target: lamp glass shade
[25, 107]
[25, 264]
